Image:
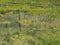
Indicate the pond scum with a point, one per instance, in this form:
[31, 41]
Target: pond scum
[29, 22]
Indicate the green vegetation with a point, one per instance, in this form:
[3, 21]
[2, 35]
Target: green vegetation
[29, 22]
